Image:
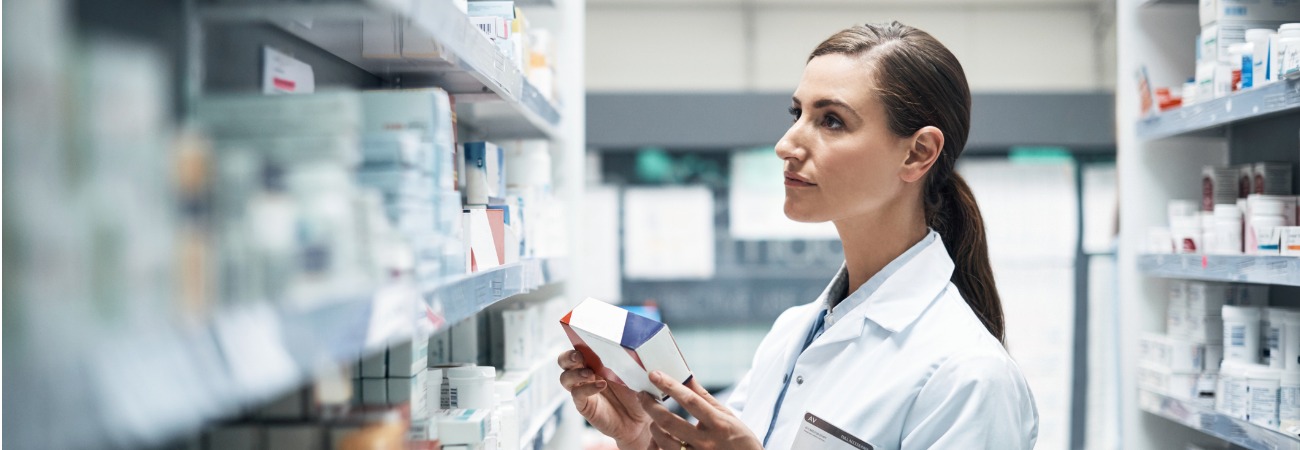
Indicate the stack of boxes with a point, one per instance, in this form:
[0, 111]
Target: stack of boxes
[1246, 208]
[410, 155]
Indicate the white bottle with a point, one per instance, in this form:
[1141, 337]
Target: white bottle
[1227, 227]
[1287, 53]
[471, 387]
[1272, 327]
[1291, 341]
[1263, 384]
[1288, 405]
[1187, 234]
[1241, 334]
[1259, 38]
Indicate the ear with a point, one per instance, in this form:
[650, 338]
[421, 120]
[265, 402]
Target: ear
[924, 148]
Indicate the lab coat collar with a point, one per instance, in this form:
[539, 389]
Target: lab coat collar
[902, 297]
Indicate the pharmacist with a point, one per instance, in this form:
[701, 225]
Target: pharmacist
[903, 350]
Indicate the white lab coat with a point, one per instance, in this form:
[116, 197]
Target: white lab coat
[912, 367]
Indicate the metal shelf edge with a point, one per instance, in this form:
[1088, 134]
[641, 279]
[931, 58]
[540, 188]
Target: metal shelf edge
[1220, 426]
[1274, 270]
[1277, 98]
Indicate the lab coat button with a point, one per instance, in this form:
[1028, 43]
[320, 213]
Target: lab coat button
[799, 379]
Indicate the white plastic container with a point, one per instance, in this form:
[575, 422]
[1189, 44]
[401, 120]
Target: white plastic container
[1289, 30]
[1187, 233]
[1267, 231]
[1259, 39]
[1235, 393]
[1288, 405]
[1241, 334]
[1227, 230]
[1291, 341]
[471, 387]
[1272, 327]
[1289, 49]
[1263, 384]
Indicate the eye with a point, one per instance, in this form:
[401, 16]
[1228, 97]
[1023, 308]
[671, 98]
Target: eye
[832, 121]
[795, 112]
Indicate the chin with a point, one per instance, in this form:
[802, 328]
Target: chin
[797, 214]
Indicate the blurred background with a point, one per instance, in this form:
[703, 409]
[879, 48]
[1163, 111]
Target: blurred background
[304, 224]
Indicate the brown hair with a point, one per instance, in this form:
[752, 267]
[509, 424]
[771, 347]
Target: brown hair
[921, 84]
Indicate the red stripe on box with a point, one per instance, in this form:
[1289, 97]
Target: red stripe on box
[281, 83]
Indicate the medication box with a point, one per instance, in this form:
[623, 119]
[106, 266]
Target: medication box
[1212, 11]
[1176, 355]
[624, 347]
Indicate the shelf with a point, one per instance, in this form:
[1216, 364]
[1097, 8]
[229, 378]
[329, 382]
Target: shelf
[1210, 117]
[151, 384]
[464, 296]
[535, 436]
[492, 96]
[1279, 270]
[1235, 431]
[1146, 3]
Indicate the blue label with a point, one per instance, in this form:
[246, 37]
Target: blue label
[1247, 71]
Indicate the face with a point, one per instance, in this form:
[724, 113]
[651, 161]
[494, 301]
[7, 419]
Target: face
[841, 160]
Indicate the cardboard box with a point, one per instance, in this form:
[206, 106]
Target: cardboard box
[1176, 355]
[1290, 241]
[1212, 11]
[624, 347]
[463, 426]
[375, 366]
[408, 359]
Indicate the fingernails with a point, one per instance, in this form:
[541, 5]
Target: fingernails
[586, 373]
[574, 356]
[656, 376]
[600, 384]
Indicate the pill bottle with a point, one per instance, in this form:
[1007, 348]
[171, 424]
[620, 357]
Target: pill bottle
[1241, 334]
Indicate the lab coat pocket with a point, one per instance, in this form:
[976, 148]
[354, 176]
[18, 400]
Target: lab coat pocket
[818, 434]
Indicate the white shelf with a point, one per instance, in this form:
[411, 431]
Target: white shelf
[145, 385]
[1235, 431]
[535, 436]
[1278, 270]
[493, 99]
[1210, 117]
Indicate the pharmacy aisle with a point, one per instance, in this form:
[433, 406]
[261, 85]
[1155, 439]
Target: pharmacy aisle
[1209, 131]
[289, 225]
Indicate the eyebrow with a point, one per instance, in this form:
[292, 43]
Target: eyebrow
[825, 102]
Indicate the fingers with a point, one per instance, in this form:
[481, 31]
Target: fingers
[694, 403]
[662, 439]
[671, 423]
[630, 401]
[573, 377]
[571, 360]
[704, 393]
[582, 395]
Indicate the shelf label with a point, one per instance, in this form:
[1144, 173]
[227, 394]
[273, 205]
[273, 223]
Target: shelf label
[282, 74]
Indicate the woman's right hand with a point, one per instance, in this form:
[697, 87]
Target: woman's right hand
[611, 408]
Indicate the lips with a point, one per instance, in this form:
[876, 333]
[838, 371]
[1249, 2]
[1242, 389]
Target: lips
[794, 180]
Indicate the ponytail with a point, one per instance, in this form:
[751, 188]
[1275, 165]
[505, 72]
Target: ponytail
[921, 83]
[952, 212]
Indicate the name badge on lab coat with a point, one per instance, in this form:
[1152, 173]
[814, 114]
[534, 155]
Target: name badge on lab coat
[816, 433]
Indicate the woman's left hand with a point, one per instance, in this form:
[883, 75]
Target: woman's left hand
[718, 428]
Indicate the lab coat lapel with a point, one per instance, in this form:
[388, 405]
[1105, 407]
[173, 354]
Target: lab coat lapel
[900, 300]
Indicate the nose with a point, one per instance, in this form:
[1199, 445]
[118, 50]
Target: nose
[790, 147]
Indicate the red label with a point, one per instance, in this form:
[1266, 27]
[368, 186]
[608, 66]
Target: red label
[283, 84]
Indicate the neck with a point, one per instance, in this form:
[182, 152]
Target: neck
[871, 241]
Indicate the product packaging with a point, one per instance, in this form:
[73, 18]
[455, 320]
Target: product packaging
[1290, 239]
[624, 347]
[1271, 178]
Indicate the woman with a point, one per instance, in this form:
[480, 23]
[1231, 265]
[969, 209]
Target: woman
[904, 348]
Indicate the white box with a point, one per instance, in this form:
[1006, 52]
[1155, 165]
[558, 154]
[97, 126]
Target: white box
[439, 348]
[624, 347]
[1216, 37]
[1176, 355]
[374, 391]
[381, 37]
[375, 366]
[512, 340]
[418, 44]
[1203, 329]
[1290, 241]
[463, 426]
[1206, 298]
[1164, 381]
[412, 391]
[466, 341]
[408, 358]
[1212, 11]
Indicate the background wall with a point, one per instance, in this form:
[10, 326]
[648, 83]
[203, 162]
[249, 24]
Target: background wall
[761, 45]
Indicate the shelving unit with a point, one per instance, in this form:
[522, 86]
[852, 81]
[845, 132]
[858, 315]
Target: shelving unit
[1278, 270]
[1211, 118]
[87, 377]
[1235, 431]
[493, 97]
[1160, 159]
